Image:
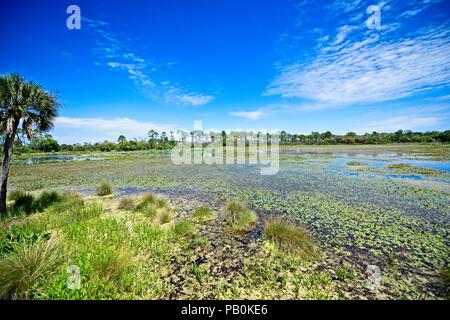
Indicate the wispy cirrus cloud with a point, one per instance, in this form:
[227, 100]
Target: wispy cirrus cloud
[115, 54]
[354, 65]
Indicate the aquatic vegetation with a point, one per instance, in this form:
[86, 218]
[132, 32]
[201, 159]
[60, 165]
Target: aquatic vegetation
[356, 163]
[290, 239]
[104, 189]
[399, 224]
[28, 264]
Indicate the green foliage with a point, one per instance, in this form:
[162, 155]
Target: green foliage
[128, 203]
[290, 239]
[184, 228]
[238, 216]
[104, 189]
[46, 199]
[23, 203]
[112, 264]
[164, 215]
[25, 267]
[204, 214]
[44, 143]
[343, 273]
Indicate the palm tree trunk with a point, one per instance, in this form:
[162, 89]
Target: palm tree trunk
[7, 153]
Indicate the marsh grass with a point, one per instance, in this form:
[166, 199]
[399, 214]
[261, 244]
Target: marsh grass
[184, 228]
[46, 199]
[164, 216]
[204, 214]
[26, 266]
[112, 264]
[290, 239]
[238, 216]
[153, 206]
[128, 203]
[23, 203]
[104, 189]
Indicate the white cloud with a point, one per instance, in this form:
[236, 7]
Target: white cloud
[73, 130]
[250, 115]
[405, 122]
[370, 70]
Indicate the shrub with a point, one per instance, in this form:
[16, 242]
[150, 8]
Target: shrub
[239, 216]
[185, 229]
[204, 214]
[290, 239]
[104, 189]
[25, 266]
[127, 203]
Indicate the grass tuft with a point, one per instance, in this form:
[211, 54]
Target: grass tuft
[239, 216]
[290, 239]
[112, 264]
[25, 266]
[185, 228]
[204, 214]
[128, 203]
[104, 189]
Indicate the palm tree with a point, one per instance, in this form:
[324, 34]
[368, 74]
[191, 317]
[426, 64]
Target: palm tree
[21, 102]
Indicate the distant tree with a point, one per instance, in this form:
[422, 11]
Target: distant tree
[45, 143]
[121, 139]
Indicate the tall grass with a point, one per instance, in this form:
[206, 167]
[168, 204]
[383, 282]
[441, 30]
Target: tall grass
[238, 216]
[290, 239]
[204, 214]
[104, 189]
[27, 265]
[128, 203]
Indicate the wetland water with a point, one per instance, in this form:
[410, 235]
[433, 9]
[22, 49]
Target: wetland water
[363, 213]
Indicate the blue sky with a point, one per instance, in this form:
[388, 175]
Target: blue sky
[300, 66]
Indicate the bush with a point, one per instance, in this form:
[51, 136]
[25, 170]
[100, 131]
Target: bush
[204, 214]
[128, 203]
[239, 216]
[185, 229]
[104, 189]
[25, 266]
[290, 239]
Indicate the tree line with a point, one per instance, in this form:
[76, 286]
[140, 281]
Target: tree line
[164, 141]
